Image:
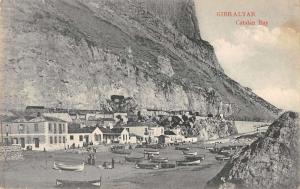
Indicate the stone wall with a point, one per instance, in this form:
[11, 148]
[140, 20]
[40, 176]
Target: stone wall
[11, 153]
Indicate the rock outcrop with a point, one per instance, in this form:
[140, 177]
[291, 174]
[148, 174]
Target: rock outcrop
[270, 162]
[76, 53]
[214, 128]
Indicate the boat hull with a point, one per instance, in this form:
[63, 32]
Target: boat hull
[151, 152]
[147, 166]
[121, 151]
[78, 184]
[222, 158]
[188, 163]
[168, 165]
[193, 158]
[159, 160]
[134, 159]
[64, 167]
[190, 153]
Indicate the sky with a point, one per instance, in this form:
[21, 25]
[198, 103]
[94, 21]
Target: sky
[265, 58]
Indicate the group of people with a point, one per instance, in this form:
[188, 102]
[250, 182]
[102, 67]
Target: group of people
[91, 159]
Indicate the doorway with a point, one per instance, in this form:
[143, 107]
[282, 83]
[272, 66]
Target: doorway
[86, 139]
[22, 140]
[36, 142]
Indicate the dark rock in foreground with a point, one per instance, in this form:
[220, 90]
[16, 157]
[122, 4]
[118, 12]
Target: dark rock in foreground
[269, 162]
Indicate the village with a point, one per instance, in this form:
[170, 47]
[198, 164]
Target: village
[83, 144]
[46, 129]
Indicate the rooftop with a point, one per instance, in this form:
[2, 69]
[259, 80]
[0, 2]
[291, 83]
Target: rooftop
[169, 133]
[81, 130]
[31, 119]
[138, 124]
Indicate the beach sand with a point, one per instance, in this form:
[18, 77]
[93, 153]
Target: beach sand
[36, 170]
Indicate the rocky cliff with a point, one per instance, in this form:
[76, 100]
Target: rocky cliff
[270, 162]
[76, 53]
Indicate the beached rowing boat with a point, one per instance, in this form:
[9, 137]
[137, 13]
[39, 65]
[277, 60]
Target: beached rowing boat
[187, 163]
[134, 159]
[147, 166]
[78, 184]
[62, 166]
[189, 153]
[158, 159]
[226, 152]
[167, 165]
[121, 151]
[192, 158]
[222, 158]
[155, 146]
[151, 152]
[182, 148]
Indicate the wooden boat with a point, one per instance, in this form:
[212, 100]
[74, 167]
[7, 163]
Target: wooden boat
[147, 166]
[182, 148]
[222, 158]
[134, 159]
[154, 146]
[151, 152]
[192, 158]
[226, 152]
[78, 184]
[190, 153]
[62, 166]
[187, 163]
[167, 165]
[159, 160]
[121, 151]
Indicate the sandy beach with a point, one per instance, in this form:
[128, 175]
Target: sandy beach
[36, 170]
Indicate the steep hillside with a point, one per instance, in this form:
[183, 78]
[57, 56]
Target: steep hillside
[271, 162]
[76, 53]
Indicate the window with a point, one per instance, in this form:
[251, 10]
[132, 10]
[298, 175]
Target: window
[28, 140]
[64, 139]
[54, 127]
[59, 129]
[55, 140]
[6, 142]
[64, 128]
[51, 140]
[71, 137]
[7, 128]
[59, 139]
[21, 128]
[123, 137]
[36, 127]
[50, 127]
[80, 138]
[27, 129]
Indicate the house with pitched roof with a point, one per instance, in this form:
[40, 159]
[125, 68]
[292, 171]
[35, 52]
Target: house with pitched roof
[35, 132]
[115, 135]
[145, 131]
[82, 136]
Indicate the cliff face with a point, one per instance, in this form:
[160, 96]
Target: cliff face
[271, 162]
[76, 53]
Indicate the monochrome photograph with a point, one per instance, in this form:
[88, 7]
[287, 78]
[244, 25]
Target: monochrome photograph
[149, 94]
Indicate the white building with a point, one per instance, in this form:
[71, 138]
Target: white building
[37, 133]
[79, 137]
[115, 135]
